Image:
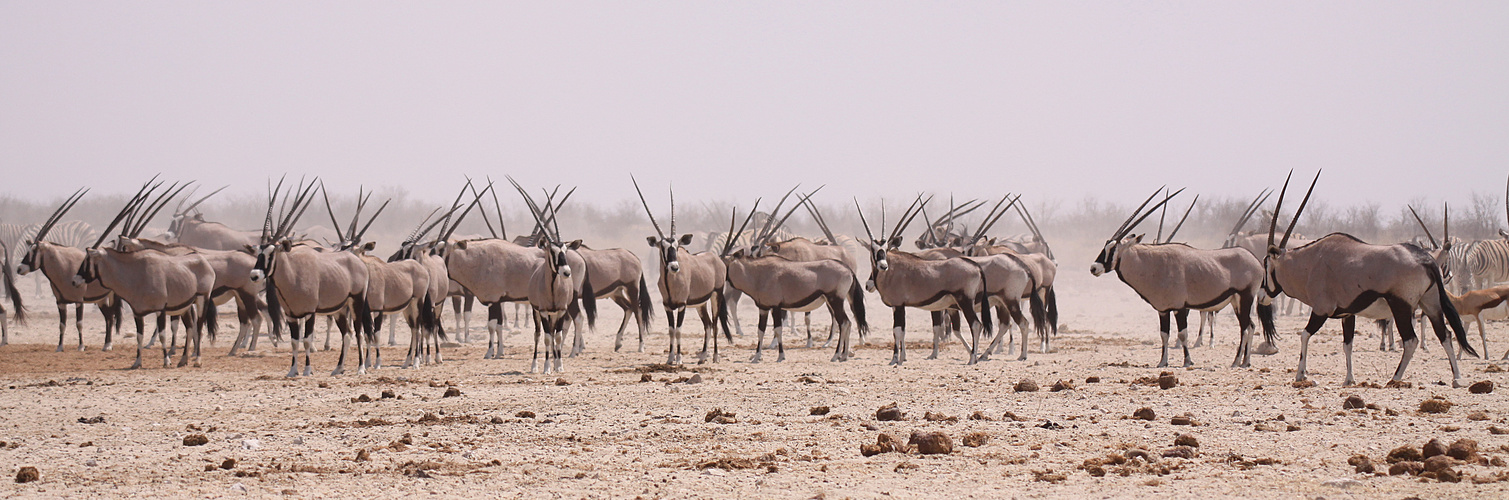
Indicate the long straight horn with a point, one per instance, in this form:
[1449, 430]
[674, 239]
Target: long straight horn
[539, 217]
[1121, 231]
[1162, 215]
[1302, 203]
[498, 208]
[300, 204]
[62, 209]
[155, 208]
[1446, 224]
[778, 225]
[773, 213]
[1149, 213]
[325, 194]
[272, 200]
[445, 222]
[141, 195]
[821, 224]
[1252, 208]
[1433, 242]
[131, 219]
[994, 215]
[363, 232]
[869, 235]
[361, 202]
[487, 221]
[451, 228]
[910, 215]
[1273, 223]
[1182, 219]
[646, 204]
[728, 245]
[196, 203]
[414, 234]
[672, 189]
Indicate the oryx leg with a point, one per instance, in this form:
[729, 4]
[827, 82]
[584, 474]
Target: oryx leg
[328, 321]
[732, 295]
[295, 332]
[534, 356]
[141, 341]
[629, 312]
[1438, 323]
[775, 335]
[494, 331]
[1385, 335]
[1163, 319]
[1181, 317]
[677, 318]
[1244, 321]
[760, 338]
[841, 321]
[578, 343]
[162, 325]
[63, 325]
[112, 313]
[1015, 308]
[807, 320]
[1481, 333]
[1316, 321]
[1403, 314]
[189, 335]
[898, 334]
[1348, 332]
[709, 331]
[940, 331]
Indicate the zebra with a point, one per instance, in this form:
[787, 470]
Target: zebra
[1486, 263]
[73, 233]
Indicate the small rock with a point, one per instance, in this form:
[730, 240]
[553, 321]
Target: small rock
[1463, 449]
[717, 415]
[90, 463]
[906, 466]
[1048, 424]
[1482, 387]
[938, 417]
[1405, 453]
[1186, 440]
[524, 414]
[646, 378]
[1493, 369]
[363, 455]
[1026, 385]
[1011, 417]
[238, 488]
[1438, 463]
[251, 444]
[298, 440]
[454, 392]
[562, 381]
[1185, 419]
[931, 443]
[889, 412]
[1362, 464]
[1433, 448]
[1179, 452]
[228, 464]
[696, 378]
[1142, 454]
[388, 395]
[27, 475]
[1478, 415]
[975, 439]
[1497, 431]
[195, 440]
[1144, 413]
[498, 420]
[1167, 380]
[884, 443]
[1435, 405]
[362, 399]
[1303, 384]
[979, 415]
[1092, 380]
[1353, 402]
[1341, 482]
[1405, 468]
[98, 419]
[1062, 385]
[819, 410]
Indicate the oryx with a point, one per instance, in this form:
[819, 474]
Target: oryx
[59, 263]
[1037, 261]
[232, 281]
[151, 281]
[392, 287]
[906, 280]
[424, 345]
[305, 280]
[1175, 278]
[559, 284]
[189, 228]
[687, 280]
[1339, 276]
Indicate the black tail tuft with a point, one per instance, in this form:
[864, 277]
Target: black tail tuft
[723, 315]
[1265, 316]
[1039, 313]
[1450, 311]
[10, 288]
[1052, 305]
[646, 308]
[857, 306]
[589, 300]
[210, 319]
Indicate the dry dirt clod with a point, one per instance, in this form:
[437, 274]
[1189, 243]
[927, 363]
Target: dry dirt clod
[497, 420]
[195, 440]
[1303, 384]
[1481, 387]
[938, 417]
[1011, 417]
[975, 439]
[1186, 440]
[388, 394]
[696, 378]
[884, 443]
[362, 399]
[524, 414]
[1185, 419]
[931, 443]
[1179, 452]
[27, 475]
[1092, 380]
[1435, 405]
[1362, 464]
[363, 455]
[1432, 448]
[1478, 415]
[1144, 413]
[1438, 463]
[562, 381]
[228, 464]
[819, 410]
[1026, 385]
[1062, 385]
[979, 415]
[97, 419]
[645, 377]
[1398, 384]
[1493, 369]
[889, 412]
[1405, 468]
[1405, 453]
[1167, 380]
[1463, 449]
[450, 392]
[717, 415]
[1353, 402]
[1497, 431]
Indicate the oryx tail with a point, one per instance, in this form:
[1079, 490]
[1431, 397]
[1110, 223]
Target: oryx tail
[646, 308]
[10, 287]
[1452, 318]
[857, 307]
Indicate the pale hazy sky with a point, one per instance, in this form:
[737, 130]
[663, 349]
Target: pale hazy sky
[733, 99]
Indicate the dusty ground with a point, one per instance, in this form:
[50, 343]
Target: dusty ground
[604, 433]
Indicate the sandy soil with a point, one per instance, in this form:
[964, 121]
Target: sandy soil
[598, 431]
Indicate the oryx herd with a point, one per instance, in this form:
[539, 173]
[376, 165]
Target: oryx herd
[281, 280]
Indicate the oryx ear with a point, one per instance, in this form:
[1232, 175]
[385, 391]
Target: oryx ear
[653, 240]
[198, 216]
[250, 249]
[895, 242]
[686, 239]
[369, 246]
[574, 244]
[286, 244]
[1504, 234]
[461, 244]
[1137, 239]
[542, 243]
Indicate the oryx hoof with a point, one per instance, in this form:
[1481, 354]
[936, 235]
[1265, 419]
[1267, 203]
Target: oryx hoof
[1188, 363]
[756, 359]
[983, 357]
[780, 358]
[81, 347]
[933, 356]
[1300, 377]
[136, 365]
[60, 348]
[292, 373]
[108, 347]
[338, 371]
[1266, 349]
[1457, 383]
[308, 372]
[1163, 364]
[641, 348]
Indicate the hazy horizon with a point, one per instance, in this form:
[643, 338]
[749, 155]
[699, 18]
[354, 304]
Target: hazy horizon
[732, 100]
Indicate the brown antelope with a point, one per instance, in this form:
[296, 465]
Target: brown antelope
[305, 280]
[424, 343]
[1042, 271]
[1338, 276]
[687, 280]
[189, 228]
[58, 263]
[151, 281]
[617, 275]
[15, 297]
[1175, 278]
[232, 281]
[1479, 306]
[392, 287]
[559, 283]
[906, 280]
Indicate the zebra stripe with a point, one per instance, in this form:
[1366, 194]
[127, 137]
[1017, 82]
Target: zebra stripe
[14, 237]
[1487, 262]
[72, 233]
[715, 241]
